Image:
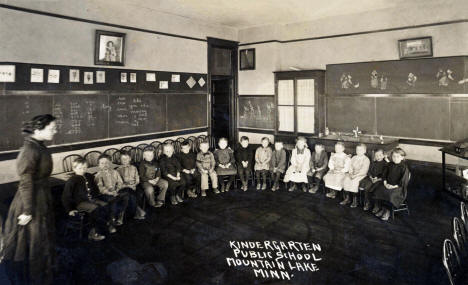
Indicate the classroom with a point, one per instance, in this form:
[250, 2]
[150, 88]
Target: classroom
[233, 142]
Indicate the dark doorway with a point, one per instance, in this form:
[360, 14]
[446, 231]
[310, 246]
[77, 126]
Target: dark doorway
[222, 80]
[220, 116]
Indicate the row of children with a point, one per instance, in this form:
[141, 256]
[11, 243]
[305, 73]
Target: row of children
[382, 180]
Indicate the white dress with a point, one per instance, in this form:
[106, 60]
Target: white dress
[297, 171]
[339, 166]
[358, 167]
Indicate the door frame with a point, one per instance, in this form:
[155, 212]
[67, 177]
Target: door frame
[233, 46]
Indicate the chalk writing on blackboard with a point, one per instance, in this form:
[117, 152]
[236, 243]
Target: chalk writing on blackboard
[275, 259]
[256, 112]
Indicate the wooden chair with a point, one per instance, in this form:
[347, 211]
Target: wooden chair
[169, 141]
[451, 261]
[116, 157]
[459, 235]
[404, 206]
[178, 144]
[110, 152]
[76, 223]
[92, 158]
[67, 161]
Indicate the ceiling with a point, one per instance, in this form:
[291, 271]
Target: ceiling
[248, 13]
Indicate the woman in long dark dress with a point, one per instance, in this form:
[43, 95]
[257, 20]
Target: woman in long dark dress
[29, 236]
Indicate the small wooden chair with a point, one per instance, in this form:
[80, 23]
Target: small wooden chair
[92, 158]
[142, 146]
[116, 157]
[451, 261]
[126, 148]
[137, 155]
[464, 214]
[404, 206]
[67, 161]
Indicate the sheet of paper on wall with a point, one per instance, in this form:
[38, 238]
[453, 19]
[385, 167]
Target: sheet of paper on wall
[7, 73]
[53, 76]
[201, 81]
[163, 84]
[133, 77]
[150, 76]
[191, 82]
[37, 75]
[74, 75]
[88, 78]
[100, 76]
[123, 77]
[175, 78]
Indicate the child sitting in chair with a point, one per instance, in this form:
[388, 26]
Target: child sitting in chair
[278, 164]
[318, 167]
[206, 166]
[225, 164]
[262, 163]
[297, 171]
[338, 166]
[358, 169]
[374, 176]
[131, 179]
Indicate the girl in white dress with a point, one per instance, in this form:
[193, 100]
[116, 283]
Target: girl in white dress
[339, 165]
[358, 169]
[297, 171]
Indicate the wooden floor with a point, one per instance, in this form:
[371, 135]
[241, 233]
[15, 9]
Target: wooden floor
[191, 241]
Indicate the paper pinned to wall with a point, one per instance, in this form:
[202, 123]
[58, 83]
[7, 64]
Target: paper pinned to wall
[175, 78]
[100, 76]
[163, 84]
[53, 76]
[150, 76]
[7, 73]
[37, 75]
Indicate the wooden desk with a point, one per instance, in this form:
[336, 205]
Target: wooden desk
[460, 191]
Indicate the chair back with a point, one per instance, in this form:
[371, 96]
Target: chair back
[92, 158]
[464, 214]
[67, 161]
[137, 155]
[116, 157]
[126, 148]
[110, 152]
[459, 235]
[451, 261]
[142, 146]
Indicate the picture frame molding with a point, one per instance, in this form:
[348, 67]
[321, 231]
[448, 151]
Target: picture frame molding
[240, 59]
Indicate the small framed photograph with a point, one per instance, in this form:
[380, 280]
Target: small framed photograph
[88, 77]
[133, 77]
[150, 76]
[7, 73]
[109, 48]
[74, 75]
[247, 59]
[37, 75]
[123, 77]
[416, 47]
[53, 76]
[100, 76]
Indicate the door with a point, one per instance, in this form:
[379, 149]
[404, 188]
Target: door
[220, 108]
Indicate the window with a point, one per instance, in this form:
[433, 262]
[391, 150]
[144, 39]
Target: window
[296, 105]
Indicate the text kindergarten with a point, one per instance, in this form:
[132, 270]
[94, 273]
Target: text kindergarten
[275, 259]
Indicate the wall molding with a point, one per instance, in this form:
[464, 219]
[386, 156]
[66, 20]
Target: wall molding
[37, 12]
[359, 33]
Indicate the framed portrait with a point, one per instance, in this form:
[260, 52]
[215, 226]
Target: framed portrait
[109, 48]
[416, 47]
[247, 59]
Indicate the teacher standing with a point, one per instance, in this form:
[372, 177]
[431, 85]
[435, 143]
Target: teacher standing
[29, 237]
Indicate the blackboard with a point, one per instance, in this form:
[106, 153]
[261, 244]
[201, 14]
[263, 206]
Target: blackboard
[80, 117]
[186, 111]
[256, 112]
[426, 118]
[345, 113]
[14, 111]
[432, 75]
[132, 114]
[459, 120]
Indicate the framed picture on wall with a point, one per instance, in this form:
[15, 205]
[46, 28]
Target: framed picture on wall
[109, 48]
[416, 47]
[247, 59]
